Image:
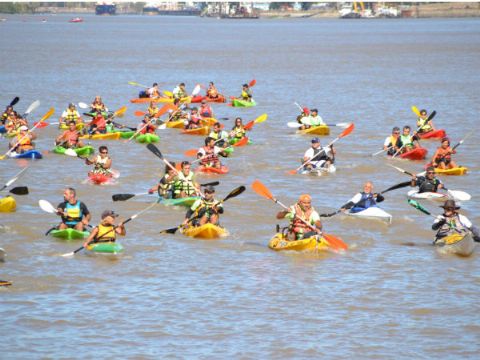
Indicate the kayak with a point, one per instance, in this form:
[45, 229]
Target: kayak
[243, 103]
[373, 212]
[209, 169]
[64, 126]
[199, 98]
[106, 248]
[165, 100]
[198, 131]
[207, 231]
[147, 138]
[414, 194]
[2, 129]
[415, 154]
[280, 243]
[210, 121]
[82, 151]
[435, 134]
[453, 171]
[235, 140]
[30, 154]
[8, 204]
[315, 130]
[229, 150]
[186, 201]
[178, 124]
[124, 134]
[458, 244]
[99, 179]
[107, 136]
[69, 234]
[319, 171]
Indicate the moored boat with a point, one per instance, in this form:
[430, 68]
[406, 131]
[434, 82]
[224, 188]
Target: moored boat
[458, 244]
[206, 231]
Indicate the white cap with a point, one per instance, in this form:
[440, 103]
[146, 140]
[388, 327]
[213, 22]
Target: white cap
[23, 128]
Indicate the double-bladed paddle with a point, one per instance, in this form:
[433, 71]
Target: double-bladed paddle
[15, 100]
[258, 120]
[32, 107]
[15, 178]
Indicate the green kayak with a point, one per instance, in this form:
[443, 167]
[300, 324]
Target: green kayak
[125, 134]
[69, 234]
[229, 150]
[106, 248]
[235, 140]
[243, 103]
[83, 151]
[187, 201]
[147, 138]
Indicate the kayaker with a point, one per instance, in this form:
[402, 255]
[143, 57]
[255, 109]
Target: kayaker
[97, 106]
[70, 137]
[220, 136]
[205, 109]
[204, 210]
[305, 112]
[423, 125]
[98, 125]
[363, 200]
[147, 126]
[246, 93]
[427, 183]
[165, 186]
[14, 122]
[194, 120]
[442, 158]
[212, 91]
[8, 112]
[70, 114]
[106, 231]
[102, 162]
[74, 213]
[208, 154]
[179, 91]
[177, 114]
[153, 92]
[302, 210]
[152, 109]
[408, 141]
[393, 143]
[185, 184]
[238, 131]
[451, 222]
[318, 156]
[23, 141]
[312, 120]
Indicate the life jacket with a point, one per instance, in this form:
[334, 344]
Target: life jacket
[365, 202]
[427, 185]
[24, 140]
[74, 213]
[105, 233]
[205, 206]
[239, 132]
[407, 140]
[246, 95]
[423, 125]
[297, 226]
[453, 225]
[212, 92]
[71, 137]
[444, 154]
[322, 157]
[184, 184]
[167, 185]
[99, 166]
[210, 157]
[71, 115]
[100, 121]
[179, 93]
[194, 119]
[152, 111]
[205, 110]
[98, 107]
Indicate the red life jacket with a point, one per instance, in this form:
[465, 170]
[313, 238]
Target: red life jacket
[209, 157]
[100, 121]
[299, 226]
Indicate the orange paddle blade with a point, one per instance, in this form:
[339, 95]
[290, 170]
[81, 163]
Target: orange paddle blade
[292, 172]
[347, 131]
[252, 83]
[249, 125]
[40, 125]
[191, 152]
[139, 113]
[165, 108]
[178, 166]
[242, 142]
[335, 242]
[262, 190]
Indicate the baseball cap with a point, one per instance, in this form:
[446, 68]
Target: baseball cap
[23, 128]
[108, 213]
[315, 140]
[210, 189]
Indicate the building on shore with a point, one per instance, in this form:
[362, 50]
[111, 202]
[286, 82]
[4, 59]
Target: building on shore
[231, 10]
[105, 8]
[172, 8]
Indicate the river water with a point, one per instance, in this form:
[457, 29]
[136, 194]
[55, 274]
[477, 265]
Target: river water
[175, 297]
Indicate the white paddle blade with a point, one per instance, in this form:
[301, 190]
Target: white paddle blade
[196, 90]
[10, 182]
[68, 254]
[82, 105]
[343, 125]
[47, 207]
[71, 152]
[293, 125]
[162, 127]
[459, 195]
[32, 106]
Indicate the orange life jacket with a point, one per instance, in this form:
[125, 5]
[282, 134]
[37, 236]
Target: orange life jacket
[209, 157]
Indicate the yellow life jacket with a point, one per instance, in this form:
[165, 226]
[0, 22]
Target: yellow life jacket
[105, 233]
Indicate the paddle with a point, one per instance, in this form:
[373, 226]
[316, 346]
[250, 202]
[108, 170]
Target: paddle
[137, 84]
[235, 192]
[465, 138]
[344, 133]
[15, 100]
[419, 207]
[82, 105]
[416, 111]
[258, 120]
[45, 117]
[32, 107]
[15, 178]
[243, 141]
[296, 125]
[19, 190]
[252, 83]
[125, 197]
[109, 231]
[262, 190]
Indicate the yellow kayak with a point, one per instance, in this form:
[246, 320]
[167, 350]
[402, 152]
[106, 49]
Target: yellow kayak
[107, 136]
[315, 130]
[454, 171]
[66, 127]
[279, 242]
[8, 204]
[179, 124]
[207, 231]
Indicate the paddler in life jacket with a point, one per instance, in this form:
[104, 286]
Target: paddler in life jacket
[363, 200]
[204, 210]
[208, 154]
[153, 92]
[220, 136]
[312, 120]
[22, 142]
[73, 212]
[14, 122]
[97, 106]
[98, 125]
[70, 137]
[152, 110]
[246, 93]
[442, 158]
[194, 120]
[147, 126]
[205, 109]
[423, 125]
[106, 231]
[8, 112]
[185, 184]
[238, 131]
[102, 162]
[451, 222]
[318, 156]
[70, 114]
[179, 91]
[305, 112]
[212, 91]
[393, 143]
[165, 186]
[409, 142]
[427, 183]
[302, 210]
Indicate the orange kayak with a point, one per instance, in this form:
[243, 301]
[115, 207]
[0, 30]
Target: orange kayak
[198, 131]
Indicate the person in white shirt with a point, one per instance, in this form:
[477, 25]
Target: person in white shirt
[317, 156]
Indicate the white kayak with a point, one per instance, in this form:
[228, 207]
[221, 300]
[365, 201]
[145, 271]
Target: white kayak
[456, 195]
[319, 171]
[372, 212]
[2, 254]
[458, 244]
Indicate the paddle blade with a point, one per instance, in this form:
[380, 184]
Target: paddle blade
[398, 186]
[71, 152]
[19, 190]
[15, 100]
[139, 113]
[249, 125]
[168, 93]
[46, 206]
[335, 242]
[32, 107]
[47, 115]
[155, 150]
[330, 214]
[170, 231]
[432, 115]
[40, 125]
[191, 152]
[122, 197]
[347, 131]
[82, 105]
[235, 192]
[416, 111]
[120, 112]
[292, 172]
[419, 207]
[459, 195]
[242, 142]
[262, 190]
[213, 183]
[196, 90]
[293, 125]
[164, 109]
[261, 118]
[252, 83]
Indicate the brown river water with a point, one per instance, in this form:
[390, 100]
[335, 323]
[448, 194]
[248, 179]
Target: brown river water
[175, 297]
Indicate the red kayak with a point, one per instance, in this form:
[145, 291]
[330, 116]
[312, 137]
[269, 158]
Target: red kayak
[99, 179]
[436, 134]
[199, 98]
[213, 170]
[415, 154]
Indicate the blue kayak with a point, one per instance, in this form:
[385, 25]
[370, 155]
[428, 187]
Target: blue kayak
[30, 154]
[2, 130]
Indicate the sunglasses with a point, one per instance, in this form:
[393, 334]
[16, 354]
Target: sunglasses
[104, 152]
[396, 132]
[430, 172]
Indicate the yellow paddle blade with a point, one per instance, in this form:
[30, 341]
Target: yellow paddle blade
[47, 115]
[261, 118]
[416, 111]
[120, 112]
[168, 93]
